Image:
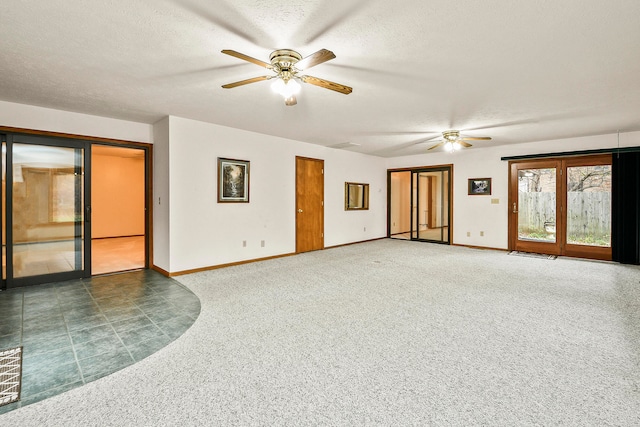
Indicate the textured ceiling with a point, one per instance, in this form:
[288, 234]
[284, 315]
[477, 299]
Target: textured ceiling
[516, 71]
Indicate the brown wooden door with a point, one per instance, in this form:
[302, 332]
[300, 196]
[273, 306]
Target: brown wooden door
[535, 209]
[309, 204]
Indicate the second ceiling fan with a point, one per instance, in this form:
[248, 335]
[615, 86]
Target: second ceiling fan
[287, 65]
[453, 141]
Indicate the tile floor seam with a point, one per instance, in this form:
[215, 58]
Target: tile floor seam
[154, 323]
[110, 324]
[73, 347]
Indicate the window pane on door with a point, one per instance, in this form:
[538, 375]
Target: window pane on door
[589, 205]
[48, 206]
[537, 204]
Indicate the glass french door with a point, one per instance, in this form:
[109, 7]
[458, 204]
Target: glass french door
[419, 204]
[561, 207]
[46, 210]
[535, 206]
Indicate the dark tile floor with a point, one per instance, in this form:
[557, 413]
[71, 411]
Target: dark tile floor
[78, 331]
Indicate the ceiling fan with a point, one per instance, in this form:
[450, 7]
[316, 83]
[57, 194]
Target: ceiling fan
[453, 141]
[287, 65]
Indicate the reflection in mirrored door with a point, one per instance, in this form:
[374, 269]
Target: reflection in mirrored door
[419, 204]
[431, 214]
[400, 205]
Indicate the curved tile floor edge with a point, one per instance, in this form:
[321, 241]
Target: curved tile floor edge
[78, 331]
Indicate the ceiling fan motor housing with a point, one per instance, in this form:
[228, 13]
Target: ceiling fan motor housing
[451, 135]
[283, 61]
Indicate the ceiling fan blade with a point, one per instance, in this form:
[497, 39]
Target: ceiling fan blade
[290, 101]
[464, 144]
[323, 55]
[476, 138]
[247, 58]
[429, 140]
[327, 84]
[246, 82]
[436, 146]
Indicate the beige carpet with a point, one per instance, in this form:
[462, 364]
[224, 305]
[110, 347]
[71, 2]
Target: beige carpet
[385, 333]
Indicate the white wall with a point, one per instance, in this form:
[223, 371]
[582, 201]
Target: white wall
[204, 233]
[47, 119]
[476, 213]
[161, 195]
[191, 230]
[117, 196]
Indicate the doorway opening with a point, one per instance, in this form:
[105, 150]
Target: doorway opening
[419, 203]
[117, 209]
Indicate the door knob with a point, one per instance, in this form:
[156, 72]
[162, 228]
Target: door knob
[515, 209]
[299, 210]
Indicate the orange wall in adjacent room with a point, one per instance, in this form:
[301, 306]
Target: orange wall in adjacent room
[117, 192]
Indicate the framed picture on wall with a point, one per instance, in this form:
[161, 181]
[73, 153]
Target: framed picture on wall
[233, 181]
[479, 186]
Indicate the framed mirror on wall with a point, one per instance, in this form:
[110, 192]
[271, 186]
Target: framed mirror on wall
[356, 196]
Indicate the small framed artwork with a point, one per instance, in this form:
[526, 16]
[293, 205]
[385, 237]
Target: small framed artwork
[233, 181]
[479, 186]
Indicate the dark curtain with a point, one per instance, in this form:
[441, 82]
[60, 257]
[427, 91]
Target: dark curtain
[625, 226]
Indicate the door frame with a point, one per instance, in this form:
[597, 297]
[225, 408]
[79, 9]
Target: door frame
[560, 247]
[10, 132]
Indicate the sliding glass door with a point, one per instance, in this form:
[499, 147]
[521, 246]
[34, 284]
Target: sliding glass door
[45, 194]
[430, 213]
[561, 206]
[419, 204]
[60, 221]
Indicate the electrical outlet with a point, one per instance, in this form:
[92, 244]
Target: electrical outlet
[244, 243]
[482, 234]
[262, 243]
[365, 229]
[468, 234]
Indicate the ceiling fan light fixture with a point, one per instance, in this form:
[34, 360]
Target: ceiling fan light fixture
[451, 146]
[286, 89]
